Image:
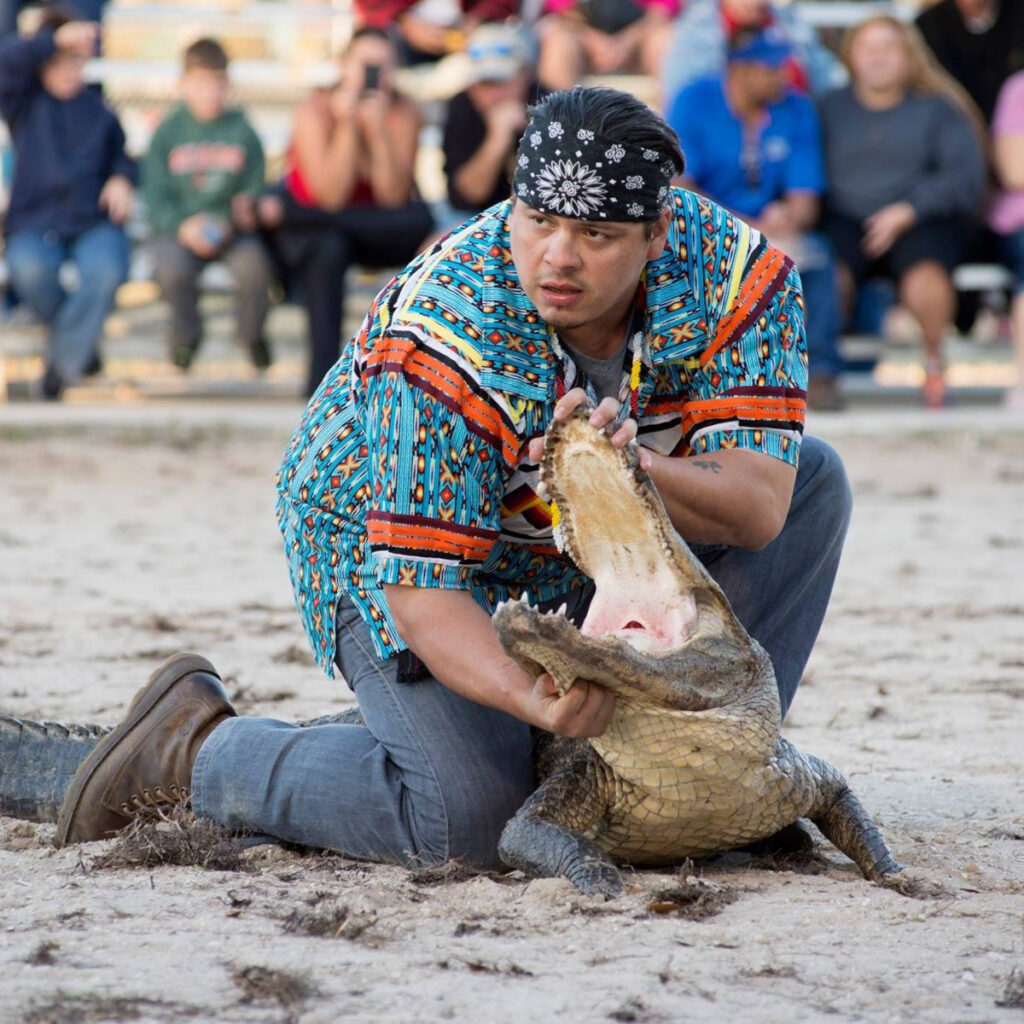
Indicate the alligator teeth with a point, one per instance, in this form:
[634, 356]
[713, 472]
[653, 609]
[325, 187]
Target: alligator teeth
[561, 611]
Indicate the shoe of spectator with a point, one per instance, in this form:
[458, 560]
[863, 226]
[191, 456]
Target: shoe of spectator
[823, 395]
[94, 367]
[53, 385]
[259, 352]
[934, 391]
[183, 354]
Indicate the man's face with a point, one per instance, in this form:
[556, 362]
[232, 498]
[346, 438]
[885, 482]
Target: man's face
[204, 92]
[761, 83]
[746, 12]
[485, 95]
[61, 75]
[579, 272]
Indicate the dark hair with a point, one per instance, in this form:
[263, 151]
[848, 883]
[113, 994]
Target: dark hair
[367, 32]
[207, 54]
[614, 114]
[57, 15]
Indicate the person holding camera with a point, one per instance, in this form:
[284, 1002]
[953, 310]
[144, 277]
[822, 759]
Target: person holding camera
[348, 195]
[201, 176]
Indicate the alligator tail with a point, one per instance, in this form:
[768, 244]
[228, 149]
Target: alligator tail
[37, 762]
[847, 825]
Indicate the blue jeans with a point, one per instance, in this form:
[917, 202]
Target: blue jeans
[432, 775]
[76, 319]
[822, 319]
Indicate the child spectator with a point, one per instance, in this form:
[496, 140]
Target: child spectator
[73, 188]
[700, 40]
[200, 179]
[602, 37]
[979, 42]
[348, 193]
[484, 121]
[1006, 217]
[753, 144]
[905, 178]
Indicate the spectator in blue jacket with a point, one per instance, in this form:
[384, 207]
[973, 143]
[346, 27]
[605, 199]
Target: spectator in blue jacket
[73, 188]
[753, 144]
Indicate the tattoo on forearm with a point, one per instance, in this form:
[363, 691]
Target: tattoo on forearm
[707, 464]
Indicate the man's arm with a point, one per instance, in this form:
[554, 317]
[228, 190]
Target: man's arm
[734, 496]
[454, 638]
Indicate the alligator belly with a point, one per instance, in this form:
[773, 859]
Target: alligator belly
[696, 815]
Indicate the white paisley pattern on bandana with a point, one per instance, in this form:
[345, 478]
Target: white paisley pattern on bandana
[572, 188]
[571, 170]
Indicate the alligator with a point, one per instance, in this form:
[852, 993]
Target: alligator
[693, 762]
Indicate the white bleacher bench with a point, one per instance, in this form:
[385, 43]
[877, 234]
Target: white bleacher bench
[982, 277]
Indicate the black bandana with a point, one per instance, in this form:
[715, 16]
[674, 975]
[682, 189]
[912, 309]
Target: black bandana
[574, 172]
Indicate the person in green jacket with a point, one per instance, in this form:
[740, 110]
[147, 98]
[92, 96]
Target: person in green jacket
[200, 179]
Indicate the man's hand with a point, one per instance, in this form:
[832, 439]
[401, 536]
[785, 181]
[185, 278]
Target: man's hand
[882, 228]
[506, 119]
[78, 37]
[585, 710]
[604, 414]
[117, 197]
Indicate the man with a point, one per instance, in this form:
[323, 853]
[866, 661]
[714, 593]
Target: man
[200, 179]
[409, 507]
[754, 145]
[73, 189]
[699, 44]
[979, 42]
[484, 121]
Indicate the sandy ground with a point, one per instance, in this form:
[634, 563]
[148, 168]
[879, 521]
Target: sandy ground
[130, 533]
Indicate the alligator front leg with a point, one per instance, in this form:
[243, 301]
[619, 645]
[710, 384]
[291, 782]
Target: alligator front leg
[546, 837]
[843, 822]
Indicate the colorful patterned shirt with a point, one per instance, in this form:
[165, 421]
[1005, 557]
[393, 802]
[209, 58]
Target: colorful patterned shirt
[410, 465]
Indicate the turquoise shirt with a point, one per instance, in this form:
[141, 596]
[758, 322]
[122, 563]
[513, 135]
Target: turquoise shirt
[410, 464]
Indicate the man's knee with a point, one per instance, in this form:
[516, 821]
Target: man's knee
[822, 482]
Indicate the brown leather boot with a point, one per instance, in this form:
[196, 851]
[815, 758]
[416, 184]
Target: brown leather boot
[147, 760]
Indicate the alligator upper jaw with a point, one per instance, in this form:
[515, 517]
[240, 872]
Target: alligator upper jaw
[650, 589]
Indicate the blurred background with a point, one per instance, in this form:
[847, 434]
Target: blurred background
[881, 144]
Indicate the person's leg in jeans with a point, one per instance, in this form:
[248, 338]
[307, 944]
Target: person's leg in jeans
[822, 320]
[177, 271]
[781, 592]
[431, 775]
[250, 267]
[101, 258]
[34, 262]
[385, 237]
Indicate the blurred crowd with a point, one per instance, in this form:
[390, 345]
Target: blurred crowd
[894, 161]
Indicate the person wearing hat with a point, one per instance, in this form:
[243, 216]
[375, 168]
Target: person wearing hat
[485, 120]
[409, 505]
[753, 144]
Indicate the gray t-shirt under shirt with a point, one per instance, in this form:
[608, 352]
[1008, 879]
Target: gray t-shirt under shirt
[604, 374]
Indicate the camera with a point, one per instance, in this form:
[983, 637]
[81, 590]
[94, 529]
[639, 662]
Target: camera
[371, 77]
